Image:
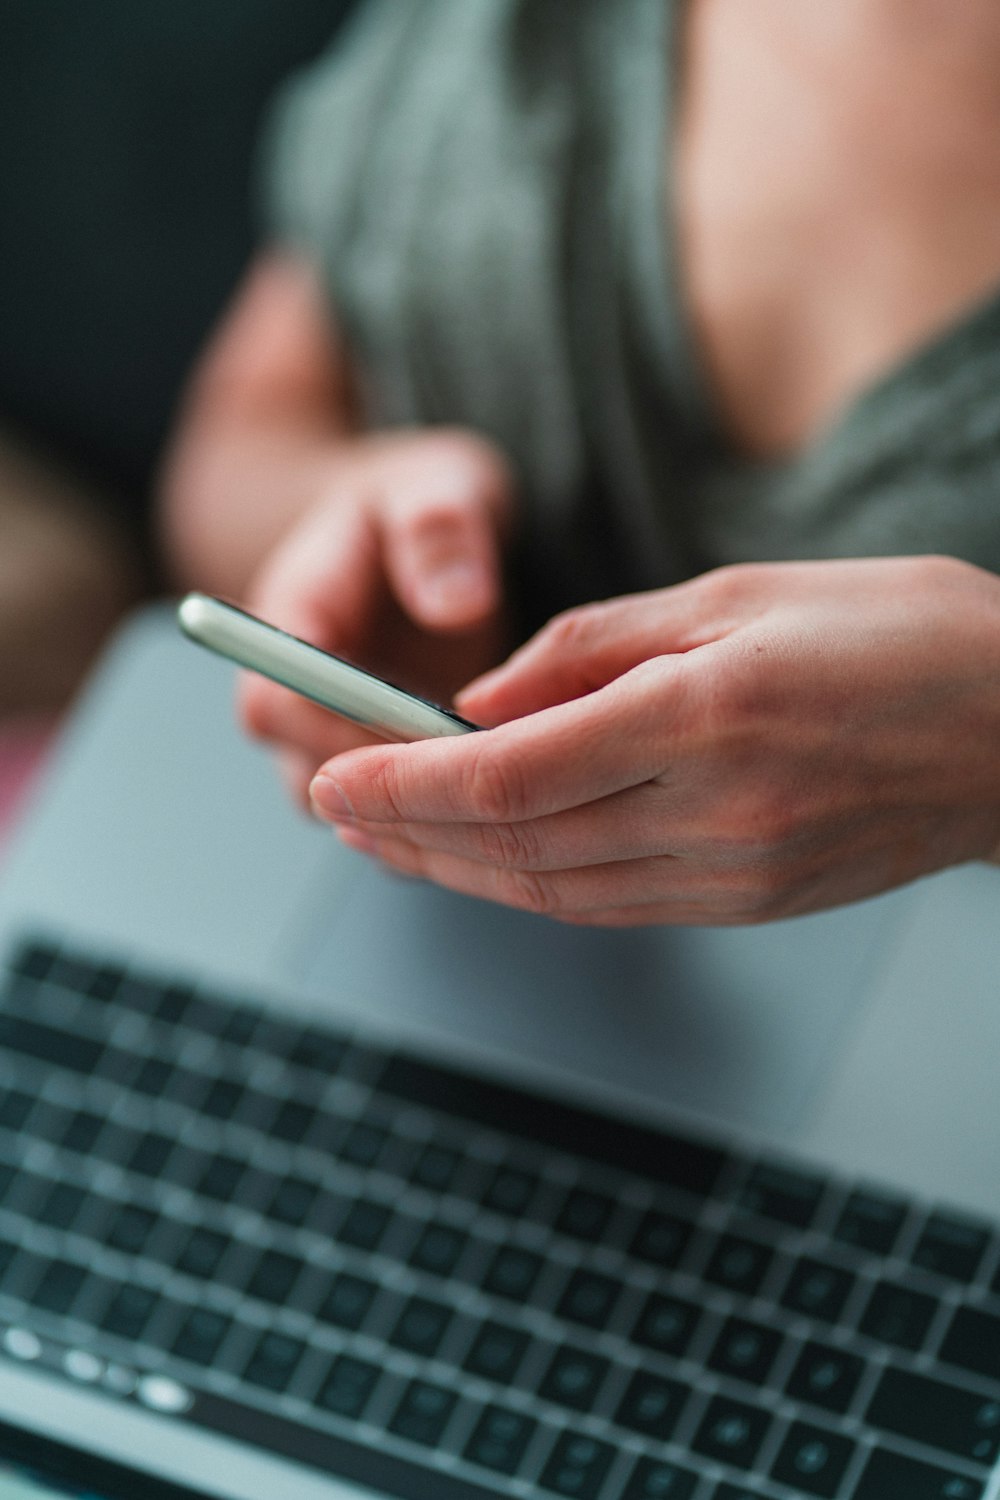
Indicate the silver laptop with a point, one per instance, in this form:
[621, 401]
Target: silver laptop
[321, 1184]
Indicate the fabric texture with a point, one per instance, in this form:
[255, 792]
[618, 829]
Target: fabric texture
[485, 187]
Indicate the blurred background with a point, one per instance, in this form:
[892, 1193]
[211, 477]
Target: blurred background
[128, 134]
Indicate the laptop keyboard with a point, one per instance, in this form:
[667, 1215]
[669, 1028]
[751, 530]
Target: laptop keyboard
[444, 1288]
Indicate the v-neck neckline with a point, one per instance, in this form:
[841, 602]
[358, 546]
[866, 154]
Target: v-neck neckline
[652, 240]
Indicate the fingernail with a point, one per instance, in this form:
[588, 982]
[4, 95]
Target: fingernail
[329, 799]
[479, 685]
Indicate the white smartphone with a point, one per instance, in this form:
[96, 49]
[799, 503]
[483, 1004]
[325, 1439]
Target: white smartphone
[338, 685]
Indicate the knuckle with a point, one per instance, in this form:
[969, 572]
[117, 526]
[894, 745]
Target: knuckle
[574, 628]
[494, 789]
[472, 460]
[385, 785]
[763, 891]
[509, 845]
[530, 892]
[729, 584]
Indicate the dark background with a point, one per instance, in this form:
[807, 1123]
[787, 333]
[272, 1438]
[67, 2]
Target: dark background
[128, 132]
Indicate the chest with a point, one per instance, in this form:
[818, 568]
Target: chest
[827, 226]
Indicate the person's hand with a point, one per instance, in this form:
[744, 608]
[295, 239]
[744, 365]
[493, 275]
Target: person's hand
[398, 567]
[762, 741]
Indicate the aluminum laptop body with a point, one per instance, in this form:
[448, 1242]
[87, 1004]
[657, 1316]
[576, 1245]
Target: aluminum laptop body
[647, 1150]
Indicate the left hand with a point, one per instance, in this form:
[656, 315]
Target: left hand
[765, 740]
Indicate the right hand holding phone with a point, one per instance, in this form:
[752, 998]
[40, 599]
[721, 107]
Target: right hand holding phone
[398, 566]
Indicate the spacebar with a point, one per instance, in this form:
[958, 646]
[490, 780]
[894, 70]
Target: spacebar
[337, 1457]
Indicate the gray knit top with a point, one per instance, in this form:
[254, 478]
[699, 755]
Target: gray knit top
[483, 185]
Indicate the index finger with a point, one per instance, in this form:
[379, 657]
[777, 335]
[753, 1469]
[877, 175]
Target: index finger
[562, 757]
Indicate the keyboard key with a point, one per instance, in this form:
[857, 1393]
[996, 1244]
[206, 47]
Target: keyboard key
[585, 1215]
[50, 1123]
[589, 1298]
[8, 1254]
[661, 1239]
[939, 1415]
[951, 1247]
[778, 1193]
[652, 1405]
[497, 1352]
[201, 1336]
[889, 1476]
[499, 1439]
[275, 1037]
[660, 1479]
[436, 1168]
[174, 1001]
[365, 1225]
[223, 1099]
[731, 1432]
[129, 1311]
[511, 1191]
[22, 1189]
[512, 1273]
[59, 1286]
[726, 1491]
[319, 1051]
[274, 1361]
[973, 1343]
[293, 1200]
[258, 1109]
[421, 1326]
[82, 977]
[132, 1228]
[82, 1131]
[139, 994]
[573, 1378]
[202, 1252]
[825, 1376]
[812, 1460]
[11, 1177]
[745, 1350]
[33, 960]
[45, 1044]
[347, 1301]
[274, 1276]
[293, 1122]
[422, 1414]
[738, 1264]
[898, 1315]
[152, 1077]
[63, 1205]
[348, 1386]
[577, 1466]
[363, 1144]
[15, 1107]
[676, 1162]
[222, 1178]
[870, 1222]
[817, 1290]
[666, 1324]
[240, 1024]
[150, 1154]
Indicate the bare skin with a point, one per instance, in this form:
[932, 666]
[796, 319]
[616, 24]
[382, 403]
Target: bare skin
[838, 183]
[759, 742]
